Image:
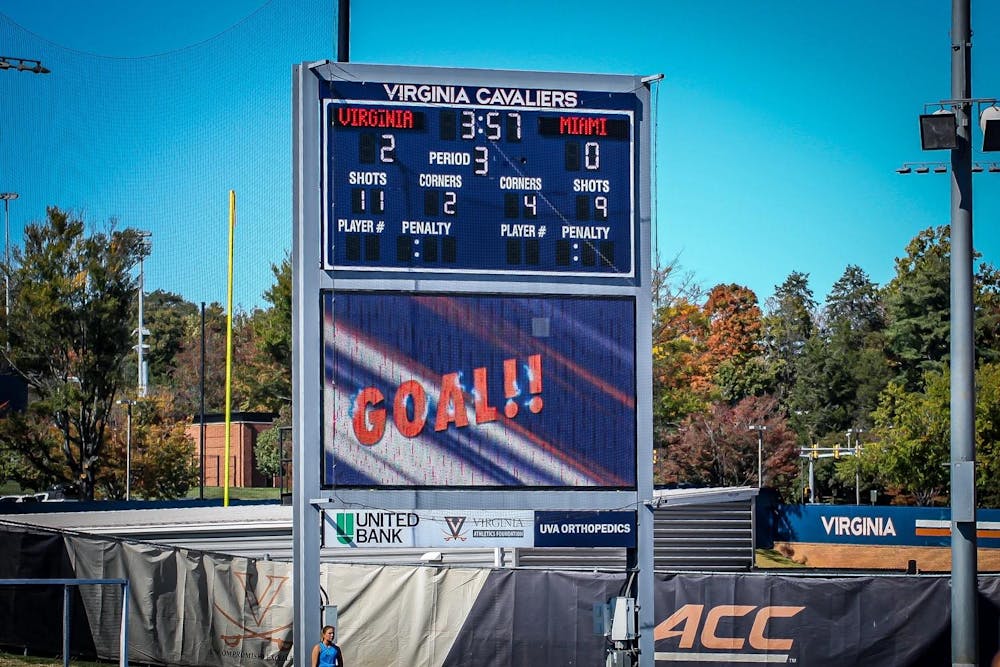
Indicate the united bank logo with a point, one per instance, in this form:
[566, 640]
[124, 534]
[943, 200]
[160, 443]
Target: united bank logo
[345, 527]
[256, 618]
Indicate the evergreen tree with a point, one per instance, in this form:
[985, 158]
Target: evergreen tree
[787, 326]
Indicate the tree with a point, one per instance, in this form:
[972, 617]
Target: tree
[681, 382]
[988, 435]
[734, 323]
[185, 381]
[918, 307]
[166, 315]
[912, 447]
[163, 462]
[787, 326]
[267, 449]
[734, 343]
[854, 305]
[69, 333]
[717, 448]
[679, 331]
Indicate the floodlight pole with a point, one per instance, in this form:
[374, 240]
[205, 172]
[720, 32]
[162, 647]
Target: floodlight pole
[7, 198]
[964, 616]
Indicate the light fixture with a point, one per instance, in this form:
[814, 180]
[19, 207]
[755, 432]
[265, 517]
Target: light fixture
[922, 169]
[977, 168]
[995, 168]
[989, 121]
[940, 169]
[905, 169]
[23, 65]
[938, 131]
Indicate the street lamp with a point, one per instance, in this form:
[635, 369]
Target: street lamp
[128, 445]
[760, 428]
[857, 465]
[7, 198]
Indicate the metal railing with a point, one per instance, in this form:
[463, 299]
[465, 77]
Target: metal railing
[68, 585]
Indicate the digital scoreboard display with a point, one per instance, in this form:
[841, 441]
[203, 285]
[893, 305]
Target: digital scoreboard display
[483, 180]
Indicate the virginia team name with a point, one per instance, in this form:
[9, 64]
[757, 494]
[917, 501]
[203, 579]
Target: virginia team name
[411, 92]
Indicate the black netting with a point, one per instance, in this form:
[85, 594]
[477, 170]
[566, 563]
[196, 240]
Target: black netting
[157, 141]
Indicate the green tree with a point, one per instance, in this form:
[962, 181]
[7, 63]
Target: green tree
[185, 380]
[918, 307]
[787, 326]
[842, 367]
[912, 444]
[69, 333]
[163, 462]
[988, 435]
[166, 316]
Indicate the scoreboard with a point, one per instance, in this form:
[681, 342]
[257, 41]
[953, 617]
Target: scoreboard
[485, 180]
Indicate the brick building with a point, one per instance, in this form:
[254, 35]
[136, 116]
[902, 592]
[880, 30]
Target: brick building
[244, 429]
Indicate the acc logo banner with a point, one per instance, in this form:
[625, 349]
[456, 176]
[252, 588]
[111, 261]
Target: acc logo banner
[729, 633]
[423, 529]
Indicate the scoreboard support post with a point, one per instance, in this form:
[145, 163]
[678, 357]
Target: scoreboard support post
[472, 303]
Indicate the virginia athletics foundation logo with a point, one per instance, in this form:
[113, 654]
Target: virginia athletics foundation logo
[252, 621]
[455, 524]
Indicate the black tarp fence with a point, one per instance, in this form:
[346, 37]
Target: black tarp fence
[192, 608]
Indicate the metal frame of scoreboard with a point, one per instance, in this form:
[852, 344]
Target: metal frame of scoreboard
[523, 187]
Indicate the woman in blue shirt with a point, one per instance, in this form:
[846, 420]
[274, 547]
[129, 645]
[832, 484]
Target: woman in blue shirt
[326, 653]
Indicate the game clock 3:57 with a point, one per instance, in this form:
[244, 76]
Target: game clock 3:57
[438, 188]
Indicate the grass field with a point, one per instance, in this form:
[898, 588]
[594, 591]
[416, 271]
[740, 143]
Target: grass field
[770, 558]
[239, 493]
[13, 660]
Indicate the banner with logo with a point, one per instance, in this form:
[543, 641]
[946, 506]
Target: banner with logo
[817, 621]
[194, 609]
[477, 528]
[428, 529]
[585, 529]
[876, 525]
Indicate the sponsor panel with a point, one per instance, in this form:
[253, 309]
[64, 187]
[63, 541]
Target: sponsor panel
[585, 529]
[428, 529]
[866, 525]
[477, 528]
[748, 619]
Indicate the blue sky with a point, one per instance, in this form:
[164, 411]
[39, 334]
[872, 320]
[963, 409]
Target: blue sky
[780, 125]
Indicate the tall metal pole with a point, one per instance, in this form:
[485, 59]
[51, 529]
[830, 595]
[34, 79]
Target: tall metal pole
[139, 348]
[128, 451]
[964, 616]
[201, 401]
[760, 459]
[344, 31]
[7, 197]
[760, 451]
